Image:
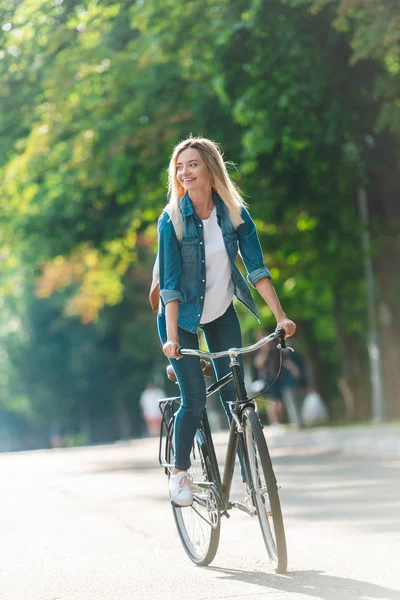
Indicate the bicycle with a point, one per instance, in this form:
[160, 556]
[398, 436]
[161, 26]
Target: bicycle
[199, 524]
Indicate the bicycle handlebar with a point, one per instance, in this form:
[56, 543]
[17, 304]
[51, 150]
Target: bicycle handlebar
[280, 333]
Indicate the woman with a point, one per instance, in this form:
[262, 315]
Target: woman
[200, 233]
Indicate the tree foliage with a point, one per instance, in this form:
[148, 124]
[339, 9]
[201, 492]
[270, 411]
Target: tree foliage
[303, 95]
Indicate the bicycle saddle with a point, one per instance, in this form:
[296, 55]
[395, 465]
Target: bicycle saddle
[206, 367]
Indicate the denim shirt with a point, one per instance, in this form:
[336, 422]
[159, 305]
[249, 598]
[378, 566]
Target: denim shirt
[182, 267]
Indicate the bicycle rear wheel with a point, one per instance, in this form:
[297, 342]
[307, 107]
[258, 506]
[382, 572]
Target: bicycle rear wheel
[265, 490]
[199, 524]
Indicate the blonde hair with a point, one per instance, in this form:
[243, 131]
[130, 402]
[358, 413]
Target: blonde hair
[221, 182]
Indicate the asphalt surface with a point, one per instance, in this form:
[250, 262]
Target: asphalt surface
[95, 523]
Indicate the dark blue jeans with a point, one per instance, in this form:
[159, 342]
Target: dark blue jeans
[221, 334]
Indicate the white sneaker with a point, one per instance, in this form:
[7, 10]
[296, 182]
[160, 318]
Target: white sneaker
[180, 490]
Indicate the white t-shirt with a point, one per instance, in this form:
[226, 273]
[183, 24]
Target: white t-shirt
[219, 285]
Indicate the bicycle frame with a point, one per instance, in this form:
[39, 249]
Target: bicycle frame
[234, 440]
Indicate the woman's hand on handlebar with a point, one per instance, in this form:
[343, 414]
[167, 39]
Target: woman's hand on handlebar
[287, 325]
[171, 349]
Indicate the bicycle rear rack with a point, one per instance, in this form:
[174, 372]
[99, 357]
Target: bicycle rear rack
[168, 408]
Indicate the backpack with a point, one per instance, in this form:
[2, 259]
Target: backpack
[154, 295]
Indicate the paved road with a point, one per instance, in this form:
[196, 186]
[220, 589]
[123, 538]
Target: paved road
[95, 523]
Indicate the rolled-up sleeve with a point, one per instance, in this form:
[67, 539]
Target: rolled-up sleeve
[250, 250]
[169, 258]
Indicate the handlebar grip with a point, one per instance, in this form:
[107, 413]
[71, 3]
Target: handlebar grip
[282, 338]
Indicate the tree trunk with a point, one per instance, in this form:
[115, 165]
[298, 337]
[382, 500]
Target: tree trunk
[387, 263]
[384, 202]
[354, 382]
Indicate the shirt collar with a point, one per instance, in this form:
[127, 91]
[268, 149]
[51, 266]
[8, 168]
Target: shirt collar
[187, 209]
[186, 206]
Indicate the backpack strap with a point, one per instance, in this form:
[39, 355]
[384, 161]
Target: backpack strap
[175, 224]
[154, 295]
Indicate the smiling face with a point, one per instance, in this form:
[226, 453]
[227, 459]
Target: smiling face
[191, 171]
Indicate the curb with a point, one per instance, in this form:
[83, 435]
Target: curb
[374, 441]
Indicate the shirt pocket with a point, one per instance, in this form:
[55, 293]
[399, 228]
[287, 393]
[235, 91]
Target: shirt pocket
[231, 244]
[189, 250]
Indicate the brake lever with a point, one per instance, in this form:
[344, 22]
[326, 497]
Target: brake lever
[282, 344]
[282, 341]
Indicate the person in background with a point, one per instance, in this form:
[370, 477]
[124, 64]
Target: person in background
[266, 363]
[294, 386]
[150, 408]
[56, 434]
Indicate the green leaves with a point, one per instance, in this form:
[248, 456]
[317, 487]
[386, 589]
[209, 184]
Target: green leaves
[95, 96]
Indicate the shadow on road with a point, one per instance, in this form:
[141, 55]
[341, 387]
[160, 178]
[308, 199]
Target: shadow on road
[312, 583]
[352, 491]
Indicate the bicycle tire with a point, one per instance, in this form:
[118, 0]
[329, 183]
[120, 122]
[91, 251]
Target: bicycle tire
[199, 537]
[265, 494]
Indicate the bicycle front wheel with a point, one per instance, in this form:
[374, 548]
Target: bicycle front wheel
[199, 524]
[265, 490]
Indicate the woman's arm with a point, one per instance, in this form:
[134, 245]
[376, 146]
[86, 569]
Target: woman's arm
[266, 290]
[172, 344]
[170, 282]
[169, 257]
[250, 249]
[258, 274]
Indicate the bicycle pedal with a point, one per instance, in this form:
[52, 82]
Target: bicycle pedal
[249, 510]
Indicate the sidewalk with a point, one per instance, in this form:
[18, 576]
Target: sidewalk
[375, 441]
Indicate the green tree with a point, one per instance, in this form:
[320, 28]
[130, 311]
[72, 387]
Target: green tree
[372, 30]
[289, 89]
